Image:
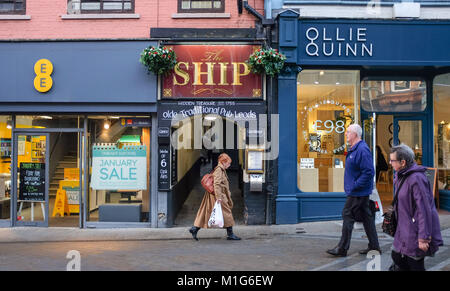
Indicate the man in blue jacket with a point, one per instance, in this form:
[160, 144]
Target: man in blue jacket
[358, 185]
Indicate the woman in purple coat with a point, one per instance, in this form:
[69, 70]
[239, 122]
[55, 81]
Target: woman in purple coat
[418, 231]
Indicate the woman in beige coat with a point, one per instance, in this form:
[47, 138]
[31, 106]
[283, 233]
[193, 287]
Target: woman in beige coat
[221, 194]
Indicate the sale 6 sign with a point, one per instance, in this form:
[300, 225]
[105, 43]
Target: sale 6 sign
[119, 169]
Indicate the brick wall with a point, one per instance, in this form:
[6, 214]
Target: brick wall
[46, 21]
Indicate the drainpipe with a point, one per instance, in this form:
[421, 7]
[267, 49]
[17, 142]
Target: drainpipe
[267, 25]
[251, 10]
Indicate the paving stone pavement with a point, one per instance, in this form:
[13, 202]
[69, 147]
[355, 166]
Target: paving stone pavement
[286, 252]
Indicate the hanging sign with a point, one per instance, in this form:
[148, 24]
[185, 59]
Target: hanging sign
[212, 71]
[135, 122]
[119, 169]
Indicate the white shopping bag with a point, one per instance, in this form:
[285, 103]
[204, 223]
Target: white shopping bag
[216, 218]
[379, 214]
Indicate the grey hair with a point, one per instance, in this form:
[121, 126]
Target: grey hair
[404, 153]
[356, 128]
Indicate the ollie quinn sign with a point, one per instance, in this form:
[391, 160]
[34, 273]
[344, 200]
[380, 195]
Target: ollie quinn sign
[119, 169]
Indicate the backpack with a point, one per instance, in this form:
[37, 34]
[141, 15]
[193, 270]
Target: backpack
[208, 182]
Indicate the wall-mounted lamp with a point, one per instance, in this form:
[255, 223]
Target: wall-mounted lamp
[9, 124]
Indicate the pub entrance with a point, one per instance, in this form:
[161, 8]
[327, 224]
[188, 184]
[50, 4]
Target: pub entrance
[193, 161]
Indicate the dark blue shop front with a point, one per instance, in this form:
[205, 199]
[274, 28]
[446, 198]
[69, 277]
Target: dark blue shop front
[380, 74]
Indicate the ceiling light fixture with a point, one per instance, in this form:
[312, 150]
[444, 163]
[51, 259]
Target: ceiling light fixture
[107, 124]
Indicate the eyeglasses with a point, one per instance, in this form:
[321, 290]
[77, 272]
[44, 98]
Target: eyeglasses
[390, 161]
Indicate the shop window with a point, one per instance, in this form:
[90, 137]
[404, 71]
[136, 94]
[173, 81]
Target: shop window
[393, 95]
[325, 108]
[119, 159]
[5, 166]
[100, 6]
[441, 92]
[201, 6]
[12, 6]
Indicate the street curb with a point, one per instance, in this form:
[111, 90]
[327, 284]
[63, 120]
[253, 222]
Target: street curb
[66, 234]
[31, 234]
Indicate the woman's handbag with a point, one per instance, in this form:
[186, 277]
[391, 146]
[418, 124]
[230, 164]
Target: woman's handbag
[389, 225]
[208, 182]
[216, 218]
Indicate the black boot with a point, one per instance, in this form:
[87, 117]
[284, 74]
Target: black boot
[193, 230]
[230, 234]
[338, 252]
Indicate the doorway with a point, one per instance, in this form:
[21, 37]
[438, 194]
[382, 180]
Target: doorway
[381, 132]
[46, 175]
[191, 163]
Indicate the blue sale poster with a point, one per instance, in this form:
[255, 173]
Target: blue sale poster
[119, 169]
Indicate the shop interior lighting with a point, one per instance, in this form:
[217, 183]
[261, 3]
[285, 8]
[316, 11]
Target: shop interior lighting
[107, 124]
[45, 117]
[210, 117]
[9, 124]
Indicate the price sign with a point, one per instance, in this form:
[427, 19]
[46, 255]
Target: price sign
[329, 125]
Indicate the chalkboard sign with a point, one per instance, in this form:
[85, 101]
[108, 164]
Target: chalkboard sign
[431, 174]
[32, 182]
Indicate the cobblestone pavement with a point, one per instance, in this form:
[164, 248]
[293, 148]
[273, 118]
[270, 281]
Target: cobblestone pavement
[293, 252]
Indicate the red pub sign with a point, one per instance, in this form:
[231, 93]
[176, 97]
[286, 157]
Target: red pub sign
[212, 71]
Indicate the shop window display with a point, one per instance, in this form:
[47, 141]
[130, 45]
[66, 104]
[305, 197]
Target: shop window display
[325, 108]
[441, 92]
[119, 159]
[5, 166]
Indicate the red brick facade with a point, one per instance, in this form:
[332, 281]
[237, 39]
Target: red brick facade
[47, 21]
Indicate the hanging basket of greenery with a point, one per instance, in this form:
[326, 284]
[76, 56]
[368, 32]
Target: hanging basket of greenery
[268, 61]
[159, 60]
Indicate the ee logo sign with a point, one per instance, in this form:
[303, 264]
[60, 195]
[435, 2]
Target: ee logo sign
[43, 69]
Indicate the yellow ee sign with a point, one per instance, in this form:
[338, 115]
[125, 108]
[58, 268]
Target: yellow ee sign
[43, 69]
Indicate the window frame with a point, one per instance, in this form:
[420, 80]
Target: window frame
[202, 10]
[14, 12]
[107, 11]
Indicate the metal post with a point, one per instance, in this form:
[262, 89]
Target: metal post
[13, 190]
[86, 171]
[80, 178]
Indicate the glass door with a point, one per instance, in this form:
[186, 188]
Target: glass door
[30, 179]
[409, 131]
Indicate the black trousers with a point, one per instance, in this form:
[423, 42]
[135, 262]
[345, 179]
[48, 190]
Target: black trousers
[357, 209]
[405, 263]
